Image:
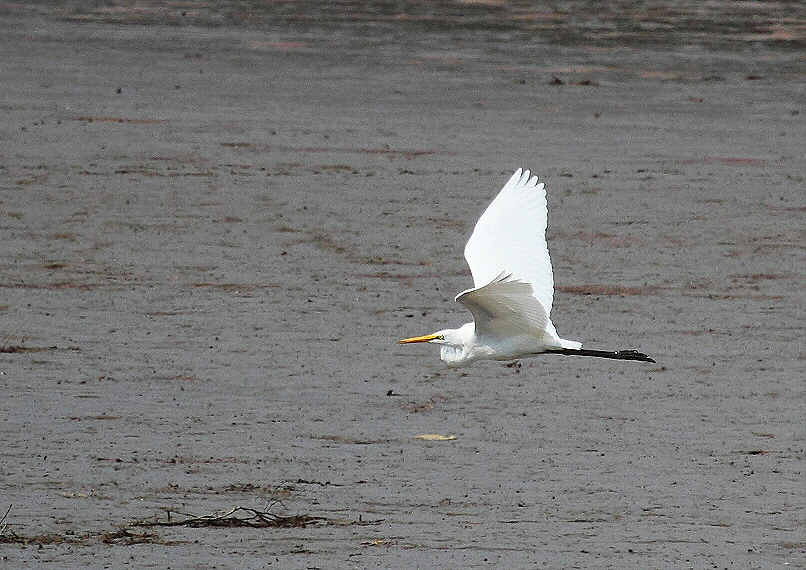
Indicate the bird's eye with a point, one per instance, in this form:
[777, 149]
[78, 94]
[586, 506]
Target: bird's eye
[441, 336]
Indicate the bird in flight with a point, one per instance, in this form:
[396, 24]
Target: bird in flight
[513, 285]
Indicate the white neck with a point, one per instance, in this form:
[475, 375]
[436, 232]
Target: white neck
[461, 346]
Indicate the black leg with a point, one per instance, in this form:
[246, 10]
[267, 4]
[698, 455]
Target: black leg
[617, 355]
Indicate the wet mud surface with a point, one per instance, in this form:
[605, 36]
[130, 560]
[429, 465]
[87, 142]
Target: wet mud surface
[217, 220]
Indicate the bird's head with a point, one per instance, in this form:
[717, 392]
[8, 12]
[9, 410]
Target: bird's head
[443, 337]
[454, 343]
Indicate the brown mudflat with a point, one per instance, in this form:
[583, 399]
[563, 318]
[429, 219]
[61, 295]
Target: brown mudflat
[217, 219]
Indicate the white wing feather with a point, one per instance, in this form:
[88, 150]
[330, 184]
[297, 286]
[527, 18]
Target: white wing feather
[510, 238]
[509, 259]
[505, 308]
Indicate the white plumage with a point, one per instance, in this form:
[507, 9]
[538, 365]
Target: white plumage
[513, 285]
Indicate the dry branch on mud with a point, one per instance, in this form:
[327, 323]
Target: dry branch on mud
[239, 517]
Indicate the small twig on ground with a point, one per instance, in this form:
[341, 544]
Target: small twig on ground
[120, 536]
[3, 523]
[240, 517]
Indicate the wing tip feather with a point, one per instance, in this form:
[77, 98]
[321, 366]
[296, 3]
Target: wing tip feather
[525, 179]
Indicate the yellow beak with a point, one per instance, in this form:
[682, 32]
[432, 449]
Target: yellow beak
[424, 338]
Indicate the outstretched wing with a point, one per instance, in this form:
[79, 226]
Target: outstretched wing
[504, 308]
[510, 239]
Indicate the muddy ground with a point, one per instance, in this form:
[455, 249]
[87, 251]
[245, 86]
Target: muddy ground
[216, 220]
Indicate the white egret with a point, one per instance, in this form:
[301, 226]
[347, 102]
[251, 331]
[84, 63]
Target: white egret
[513, 285]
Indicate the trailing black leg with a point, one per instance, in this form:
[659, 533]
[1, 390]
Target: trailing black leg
[617, 355]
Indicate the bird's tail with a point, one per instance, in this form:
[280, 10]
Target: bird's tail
[617, 355]
[572, 344]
